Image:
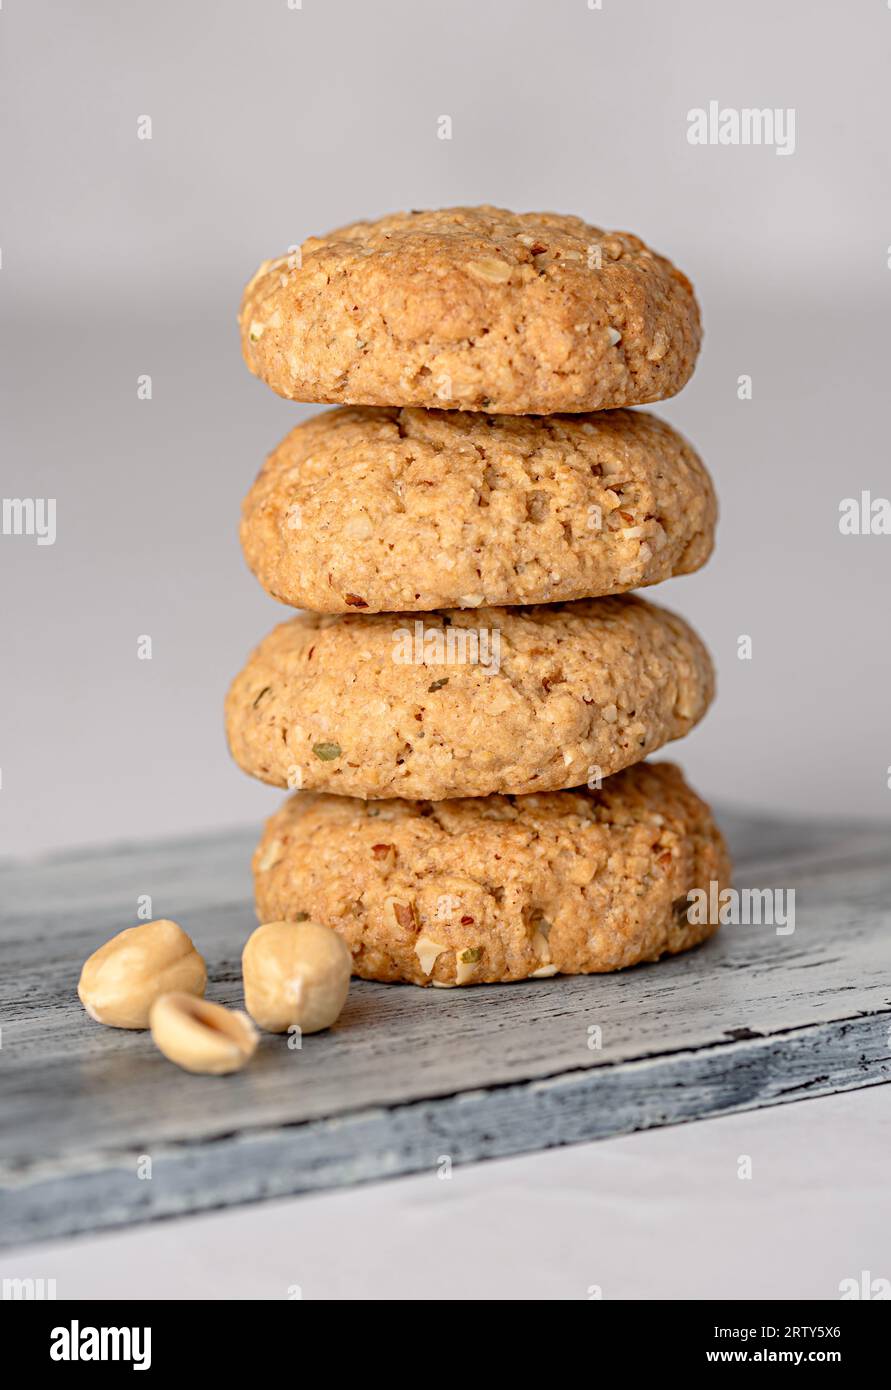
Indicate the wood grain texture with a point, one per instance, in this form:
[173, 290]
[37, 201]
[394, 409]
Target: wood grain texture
[752, 1018]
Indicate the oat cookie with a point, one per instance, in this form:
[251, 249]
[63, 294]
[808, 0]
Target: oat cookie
[466, 702]
[472, 309]
[382, 510]
[497, 888]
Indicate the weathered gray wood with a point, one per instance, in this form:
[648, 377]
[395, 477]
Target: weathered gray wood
[750, 1019]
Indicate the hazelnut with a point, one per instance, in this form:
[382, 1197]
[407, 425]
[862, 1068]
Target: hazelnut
[120, 982]
[295, 973]
[202, 1037]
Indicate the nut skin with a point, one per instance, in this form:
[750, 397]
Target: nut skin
[200, 1036]
[120, 982]
[295, 973]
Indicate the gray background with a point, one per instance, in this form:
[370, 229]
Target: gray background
[122, 257]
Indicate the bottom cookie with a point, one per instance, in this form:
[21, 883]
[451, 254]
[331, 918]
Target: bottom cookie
[498, 888]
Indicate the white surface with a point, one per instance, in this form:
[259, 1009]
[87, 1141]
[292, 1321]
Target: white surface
[661, 1214]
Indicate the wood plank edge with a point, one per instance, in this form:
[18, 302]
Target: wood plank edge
[572, 1107]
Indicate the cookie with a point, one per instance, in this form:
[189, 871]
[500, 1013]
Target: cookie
[388, 510]
[466, 702]
[472, 309]
[498, 888]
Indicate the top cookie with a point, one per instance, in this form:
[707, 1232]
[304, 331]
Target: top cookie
[472, 309]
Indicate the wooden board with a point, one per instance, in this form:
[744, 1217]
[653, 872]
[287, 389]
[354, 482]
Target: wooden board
[410, 1076]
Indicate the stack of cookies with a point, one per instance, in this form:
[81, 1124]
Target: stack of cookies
[466, 705]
